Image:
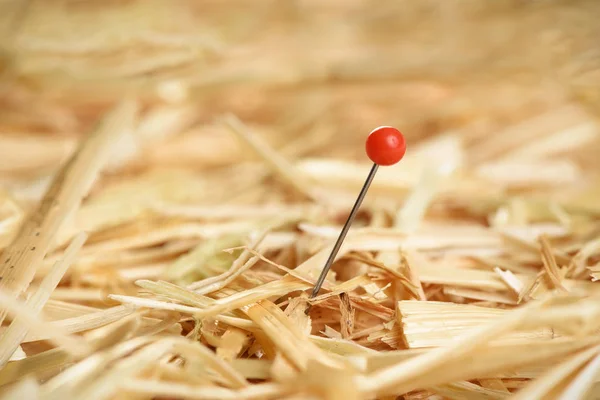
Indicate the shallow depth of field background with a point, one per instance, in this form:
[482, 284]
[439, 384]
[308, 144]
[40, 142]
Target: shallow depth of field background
[288, 68]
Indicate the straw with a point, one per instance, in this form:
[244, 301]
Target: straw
[173, 176]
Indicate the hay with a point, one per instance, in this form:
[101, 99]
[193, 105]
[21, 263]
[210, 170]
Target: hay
[173, 176]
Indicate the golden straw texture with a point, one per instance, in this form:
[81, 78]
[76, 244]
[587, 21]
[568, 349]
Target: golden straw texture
[174, 174]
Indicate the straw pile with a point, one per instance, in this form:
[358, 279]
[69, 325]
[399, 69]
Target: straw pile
[174, 174]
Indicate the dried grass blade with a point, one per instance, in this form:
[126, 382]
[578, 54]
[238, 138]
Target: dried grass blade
[553, 383]
[195, 311]
[56, 358]
[348, 313]
[229, 212]
[494, 384]
[288, 338]
[250, 296]
[439, 366]
[552, 270]
[232, 344]
[467, 391]
[153, 388]
[34, 323]
[89, 369]
[253, 368]
[584, 383]
[483, 280]
[412, 213]
[283, 268]
[155, 304]
[512, 138]
[108, 383]
[343, 287]
[175, 292]
[239, 266]
[47, 360]
[28, 389]
[511, 280]
[432, 324]
[20, 260]
[17, 330]
[340, 347]
[278, 163]
[415, 290]
[87, 321]
[165, 233]
[494, 297]
[56, 309]
[195, 259]
[229, 375]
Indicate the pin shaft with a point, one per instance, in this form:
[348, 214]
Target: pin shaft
[343, 233]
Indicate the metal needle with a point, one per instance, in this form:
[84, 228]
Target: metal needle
[342, 236]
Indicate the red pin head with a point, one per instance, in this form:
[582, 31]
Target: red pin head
[385, 145]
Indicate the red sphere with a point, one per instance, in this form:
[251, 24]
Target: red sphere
[385, 145]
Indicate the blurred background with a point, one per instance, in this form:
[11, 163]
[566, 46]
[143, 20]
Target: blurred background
[291, 69]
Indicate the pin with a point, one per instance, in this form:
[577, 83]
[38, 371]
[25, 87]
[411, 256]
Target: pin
[385, 146]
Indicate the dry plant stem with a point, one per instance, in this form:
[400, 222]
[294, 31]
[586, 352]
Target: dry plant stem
[472, 280]
[153, 388]
[86, 322]
[416, 372]
[230, 376]
[552, 270]
[72, 344]
[285, 269]
[15, 333]
[21, 259]
[242, 263]
[279, 164]
[460, 389]
[107, 384]
[296, 347]
[552, 384]
[58, 357]
[580, 386]
[432, 324]
[28, 388]
[87, 369]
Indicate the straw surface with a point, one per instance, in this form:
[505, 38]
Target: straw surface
[174, 174]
